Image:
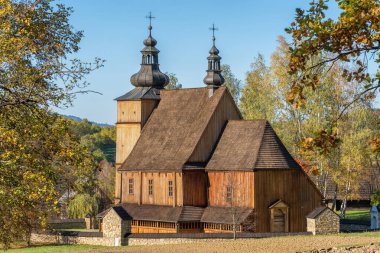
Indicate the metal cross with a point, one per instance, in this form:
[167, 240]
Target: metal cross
[213, 29]
[150, 17]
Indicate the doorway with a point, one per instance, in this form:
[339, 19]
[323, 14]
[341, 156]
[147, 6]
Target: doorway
[279, 217]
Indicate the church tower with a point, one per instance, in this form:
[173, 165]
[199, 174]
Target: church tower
[135, 107]
[214, 78]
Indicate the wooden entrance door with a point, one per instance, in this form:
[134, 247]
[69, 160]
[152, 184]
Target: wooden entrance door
[279, 217]
[278, 221]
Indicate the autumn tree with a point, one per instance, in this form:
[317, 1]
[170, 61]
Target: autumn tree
[38, 151]
[231, 82]
[353, 38]
[320, 43]
[39, 157]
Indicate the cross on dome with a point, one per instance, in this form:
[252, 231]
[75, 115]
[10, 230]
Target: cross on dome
[213, 29]
[150, 17]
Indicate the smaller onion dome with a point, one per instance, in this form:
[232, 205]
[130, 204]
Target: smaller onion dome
[214, 78]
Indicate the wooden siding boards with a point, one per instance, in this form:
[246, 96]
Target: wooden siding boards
[194, 188]
[131, 117]
[290, 186]
[160, 194]
[243, 188]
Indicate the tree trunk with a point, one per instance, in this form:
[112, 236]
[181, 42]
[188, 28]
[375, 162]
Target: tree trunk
[343, 207]
[335, 197]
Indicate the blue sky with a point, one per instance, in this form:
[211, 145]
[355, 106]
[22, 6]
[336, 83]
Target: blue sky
[114, 30]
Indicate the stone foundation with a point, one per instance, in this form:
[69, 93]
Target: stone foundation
[144, 239]
[60, 239]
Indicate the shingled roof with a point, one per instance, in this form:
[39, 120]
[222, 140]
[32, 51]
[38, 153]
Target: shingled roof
[156, 212]
[119, 210]
[174, 129]
[141, 93]
[225, 215]
[249, 145]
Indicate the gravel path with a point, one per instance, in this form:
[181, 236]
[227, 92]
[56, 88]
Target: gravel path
[267, 245]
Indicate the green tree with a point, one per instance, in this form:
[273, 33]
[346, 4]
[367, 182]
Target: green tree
[173, 82]
[231, 82]
[100, 141]
[258, 98]
[375, 198]
[82, 205]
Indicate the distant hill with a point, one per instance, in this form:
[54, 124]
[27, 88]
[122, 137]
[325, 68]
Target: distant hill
[80, 119]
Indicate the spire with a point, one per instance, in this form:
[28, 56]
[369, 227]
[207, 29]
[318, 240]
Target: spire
[150, 74]
[214, 78]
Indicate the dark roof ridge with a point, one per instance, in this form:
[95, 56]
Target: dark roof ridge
[183, 89]
[248, 120]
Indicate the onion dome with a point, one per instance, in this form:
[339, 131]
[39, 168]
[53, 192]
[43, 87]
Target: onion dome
[150, 74]
[214, 78]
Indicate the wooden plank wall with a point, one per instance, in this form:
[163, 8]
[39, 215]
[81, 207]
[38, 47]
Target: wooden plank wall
[131, 117]
[135, 197]
[129, 111]
[243, 183]
[194, 188]
[126, 138]
[291, 186]
[160, 188]
[225, 111]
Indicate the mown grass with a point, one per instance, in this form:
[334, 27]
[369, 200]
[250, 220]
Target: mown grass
[358, 214]
[364, 234]
[56, 248]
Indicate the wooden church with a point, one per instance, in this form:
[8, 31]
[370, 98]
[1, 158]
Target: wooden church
[187, 162]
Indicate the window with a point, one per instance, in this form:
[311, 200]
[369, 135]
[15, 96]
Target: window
[229, 194]
[131, 186]
[150, 187]
[170, 188]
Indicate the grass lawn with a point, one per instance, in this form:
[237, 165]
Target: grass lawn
[364, 234]
[358, 214]
[56, 248]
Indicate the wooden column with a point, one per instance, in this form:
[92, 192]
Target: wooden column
[141, 188]
[174, 189]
